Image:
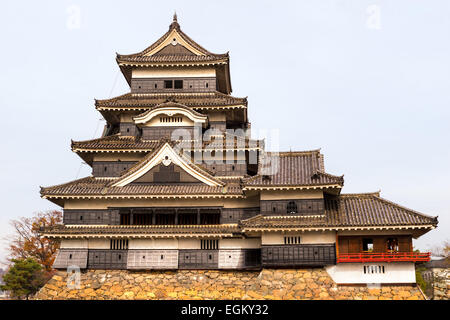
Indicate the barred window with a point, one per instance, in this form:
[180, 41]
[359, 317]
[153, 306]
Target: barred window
[170, 119]
[208, 244]
[371, 269]
[291, 207]
[292, 240]
[119, 244]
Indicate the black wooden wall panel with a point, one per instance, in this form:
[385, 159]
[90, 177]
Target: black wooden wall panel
[110, 168]
[128, 129]
[252, 258]
[198, 84]
[227, 169]
[107, 259]
[156, 133]
[198, 259]
[234, 215]
[298, 255]
[91, 216]
[304, 206]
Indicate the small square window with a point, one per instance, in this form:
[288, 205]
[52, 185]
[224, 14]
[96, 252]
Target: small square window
[168, 84]
[368, 244]
[178, 84]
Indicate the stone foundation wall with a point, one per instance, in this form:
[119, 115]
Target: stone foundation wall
[213, 284]
[441, 285]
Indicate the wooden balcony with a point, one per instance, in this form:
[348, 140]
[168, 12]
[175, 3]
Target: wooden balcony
[384, 257]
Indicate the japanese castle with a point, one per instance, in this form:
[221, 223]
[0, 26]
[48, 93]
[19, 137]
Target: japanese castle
[178, 183]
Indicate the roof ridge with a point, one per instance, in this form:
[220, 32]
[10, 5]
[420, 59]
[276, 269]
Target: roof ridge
[374, 193]
[294, 153]
[137, 98]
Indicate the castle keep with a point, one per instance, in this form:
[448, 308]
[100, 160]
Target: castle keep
[178, 183]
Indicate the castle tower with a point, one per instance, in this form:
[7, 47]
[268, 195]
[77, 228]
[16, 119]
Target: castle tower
[178, 183]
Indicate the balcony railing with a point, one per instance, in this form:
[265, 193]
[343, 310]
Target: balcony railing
[384, 257]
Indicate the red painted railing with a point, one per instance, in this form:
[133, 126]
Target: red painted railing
[384, 257]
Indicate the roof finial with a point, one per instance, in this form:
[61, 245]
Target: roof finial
[174, 23]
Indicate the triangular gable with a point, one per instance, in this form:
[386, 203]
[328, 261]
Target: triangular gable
[166, 155]
[174, 38]
[166, 174]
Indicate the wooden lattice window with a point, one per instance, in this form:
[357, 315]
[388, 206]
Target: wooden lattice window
[119, 244]
[142, 219]
[187, 218]
[165, 218]
[291, 240]
[291, 207]
[124, 218]
[209, 244]
[371, 269]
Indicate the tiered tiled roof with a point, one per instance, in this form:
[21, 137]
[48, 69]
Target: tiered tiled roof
[175, 48]
[142, 231]
[106, 187]
[117, 142]
[171, 55]
[294, 169]
[197, 101]
[347, 210]
[101, 187]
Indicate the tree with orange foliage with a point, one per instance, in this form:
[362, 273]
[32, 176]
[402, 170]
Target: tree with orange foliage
[27, 243]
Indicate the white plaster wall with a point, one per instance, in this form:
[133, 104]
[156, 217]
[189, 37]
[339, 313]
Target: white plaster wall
[189, 244]
[99, 244]
[173, 72]
[353, 273]
[152, 259]
[291, 194]
[153, 244]
[75, 243]
[250, 243]
[231, 259]
[318, 237]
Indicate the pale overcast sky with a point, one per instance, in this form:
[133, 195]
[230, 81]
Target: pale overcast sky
[368, 82]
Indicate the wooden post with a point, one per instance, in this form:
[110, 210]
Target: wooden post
[337, 247]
